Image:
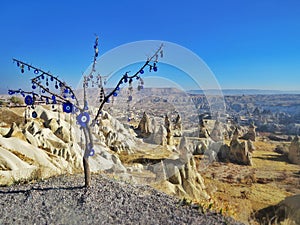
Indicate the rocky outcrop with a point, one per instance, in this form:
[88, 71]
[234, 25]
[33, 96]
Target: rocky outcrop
[203, 133]
[42, 148]
[114, 135]
[177, 129]
[294, 151]
[144, 126]
[217, 132]
[158, 136]
[251, 134]
[15, 131]
[237, 152]
[169, 130]
[180, 178]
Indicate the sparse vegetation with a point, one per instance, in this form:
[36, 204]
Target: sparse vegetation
[16, 100]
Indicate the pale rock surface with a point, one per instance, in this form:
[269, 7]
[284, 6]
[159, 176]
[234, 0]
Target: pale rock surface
[144, 125]
[52, 124]
[35, 160]
[251, 134]
[15, 131]
[237, 152]
[203, 133]
[217, 132]
[294, 151]
[180, 178]
[63, 133]
[116, 136]
[158, 137]
[169, 131]
[185, 149]
[177, 129]
[40, 152]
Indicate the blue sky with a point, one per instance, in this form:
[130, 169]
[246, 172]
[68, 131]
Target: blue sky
[247, 44]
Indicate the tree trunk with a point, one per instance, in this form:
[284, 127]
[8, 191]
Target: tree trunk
[86, 165]
[87, 172]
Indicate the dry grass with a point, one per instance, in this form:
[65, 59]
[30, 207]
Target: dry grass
[10, 115]
[250, 188]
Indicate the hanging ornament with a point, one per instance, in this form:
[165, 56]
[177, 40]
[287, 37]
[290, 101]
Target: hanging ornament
[67, 107]
[28, 68]
[51, 78]
[34, 114]
[47, 100]
[161, 53]
[83, 119]
[33, 86]
[92, 152]
[10, 92]
[18, 64]
[22, 70]
[141, 71]
[28, 100]
[36, 71]
[43, 77]
[129, 98]
[115, 94]
[150, 68]
[53, 99]
[101, 94]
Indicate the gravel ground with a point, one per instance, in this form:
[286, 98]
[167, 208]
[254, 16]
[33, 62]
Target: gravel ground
[64, 200]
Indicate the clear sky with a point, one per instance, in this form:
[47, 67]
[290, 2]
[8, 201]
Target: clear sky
[246, 43]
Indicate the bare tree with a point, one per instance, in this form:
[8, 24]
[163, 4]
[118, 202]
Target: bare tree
[65, 95]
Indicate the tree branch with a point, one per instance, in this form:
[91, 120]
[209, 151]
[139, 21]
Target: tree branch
[121, 81]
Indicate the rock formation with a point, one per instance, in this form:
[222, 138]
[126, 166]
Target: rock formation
[15, 131]
[169, 130]
[158, 136]
[177, 131]
[203, 133]
[180, 178]
[294, 151]
[144, 126]
[217, 132]
[42, 148]
[237, 152]
[251, 134]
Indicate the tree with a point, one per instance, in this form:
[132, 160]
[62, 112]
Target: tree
[65, 95]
